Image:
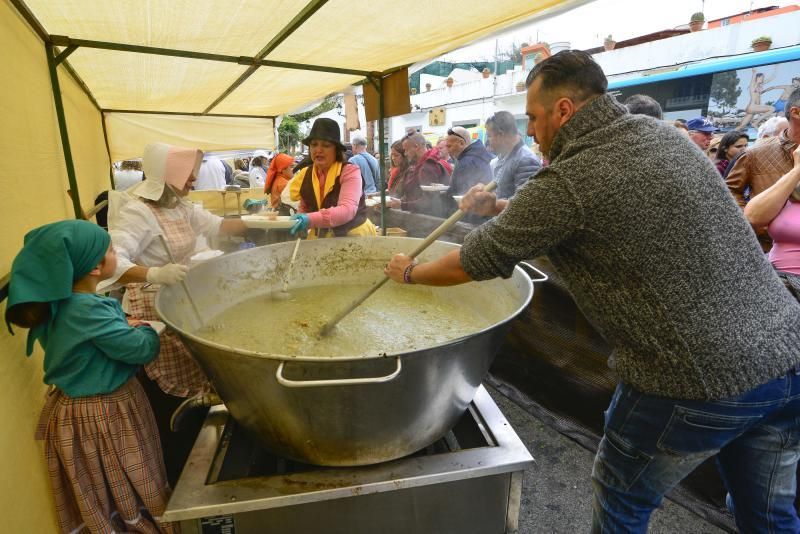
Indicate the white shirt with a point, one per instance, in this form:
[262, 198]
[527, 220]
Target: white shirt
[126, 179]
[258, 177]
[211, 175]
[286, 195]
[134, 234]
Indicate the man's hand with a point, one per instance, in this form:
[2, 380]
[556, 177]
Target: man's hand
[480, 202]
[396, 267]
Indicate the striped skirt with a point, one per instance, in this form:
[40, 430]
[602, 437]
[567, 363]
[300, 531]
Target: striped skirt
[104, 459]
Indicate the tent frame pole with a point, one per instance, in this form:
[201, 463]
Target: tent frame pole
[377, 82]
[299, 19]
[63, 40]
[62, 128]
[108, 151]
[187, 113]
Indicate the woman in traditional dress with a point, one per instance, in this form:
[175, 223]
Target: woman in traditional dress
[101, 444]
[330, 190]
[150, 225]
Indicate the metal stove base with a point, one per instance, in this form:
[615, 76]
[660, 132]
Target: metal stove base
[470, 481]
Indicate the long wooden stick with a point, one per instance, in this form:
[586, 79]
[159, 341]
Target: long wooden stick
[291, 263]
[436, 234]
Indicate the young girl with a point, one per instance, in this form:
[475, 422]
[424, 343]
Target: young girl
[101, 442]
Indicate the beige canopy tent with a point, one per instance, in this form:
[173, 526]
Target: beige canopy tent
[208, 61]
[88, 82]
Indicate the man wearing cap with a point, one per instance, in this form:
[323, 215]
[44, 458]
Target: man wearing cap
[759, 167]
[472, 161]
[700, 130]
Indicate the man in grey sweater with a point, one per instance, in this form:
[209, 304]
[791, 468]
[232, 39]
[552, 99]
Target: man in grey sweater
[658, 255]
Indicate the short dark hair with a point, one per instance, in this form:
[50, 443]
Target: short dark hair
[792, 102]
[644, 105]
[503, 122]
[727, 141]
[572, 70]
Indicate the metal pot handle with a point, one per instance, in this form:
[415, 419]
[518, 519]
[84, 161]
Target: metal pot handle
[342, 382]
[528, 267]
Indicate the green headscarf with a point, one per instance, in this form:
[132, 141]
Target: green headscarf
[52, 258]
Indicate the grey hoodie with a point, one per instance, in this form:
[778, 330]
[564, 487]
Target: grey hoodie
[655, 251]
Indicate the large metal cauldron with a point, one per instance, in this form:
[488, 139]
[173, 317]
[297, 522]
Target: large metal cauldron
[342, 411]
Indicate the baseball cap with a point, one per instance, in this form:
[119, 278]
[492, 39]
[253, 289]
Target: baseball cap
[461, 132]
[701, 124]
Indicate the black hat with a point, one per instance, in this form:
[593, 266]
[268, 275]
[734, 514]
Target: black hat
[325, 129]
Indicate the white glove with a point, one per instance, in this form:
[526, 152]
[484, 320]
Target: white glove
[171, 273]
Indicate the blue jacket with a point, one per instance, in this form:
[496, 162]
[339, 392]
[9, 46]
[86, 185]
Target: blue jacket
[514, 170]
[370, 171]
[472, 168]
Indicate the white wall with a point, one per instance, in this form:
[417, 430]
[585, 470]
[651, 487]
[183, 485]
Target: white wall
[725, 41]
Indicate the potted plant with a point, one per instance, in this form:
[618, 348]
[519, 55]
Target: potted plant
[697, 21]
[413, 90]
[427, 87]
[520, 86]
[450, 81]
[609, 43]
[486, 72]
[759, 44]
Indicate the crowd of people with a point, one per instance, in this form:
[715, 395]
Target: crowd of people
[621, 202]
[422, 178]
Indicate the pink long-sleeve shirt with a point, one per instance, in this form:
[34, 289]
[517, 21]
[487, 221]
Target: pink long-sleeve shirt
[346, 208]
[785, 232]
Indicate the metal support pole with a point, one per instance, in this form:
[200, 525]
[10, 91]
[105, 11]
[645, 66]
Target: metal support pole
[108, 151]
[62, 128]
[65, 54]
[378, 83]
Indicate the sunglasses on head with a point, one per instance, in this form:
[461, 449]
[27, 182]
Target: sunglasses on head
[451, 132]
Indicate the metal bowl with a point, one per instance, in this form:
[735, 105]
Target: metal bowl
[340, 411]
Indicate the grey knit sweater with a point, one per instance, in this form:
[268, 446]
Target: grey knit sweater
[655, 251]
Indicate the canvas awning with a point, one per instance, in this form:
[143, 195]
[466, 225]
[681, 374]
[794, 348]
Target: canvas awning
[215, 74]
[345, 39]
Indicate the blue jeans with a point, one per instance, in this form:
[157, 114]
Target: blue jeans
[651, 443]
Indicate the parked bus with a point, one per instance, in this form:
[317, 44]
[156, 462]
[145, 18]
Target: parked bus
[738, 92]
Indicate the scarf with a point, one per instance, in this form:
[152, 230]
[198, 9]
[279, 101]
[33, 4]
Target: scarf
[53, 257]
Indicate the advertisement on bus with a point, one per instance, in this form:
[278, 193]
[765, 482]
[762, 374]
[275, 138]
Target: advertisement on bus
[743, 99]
